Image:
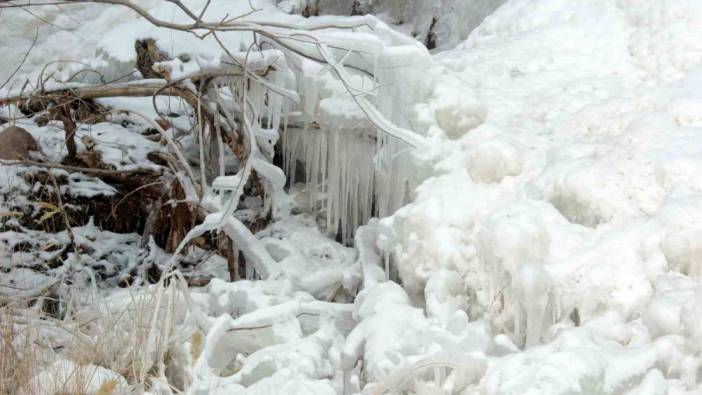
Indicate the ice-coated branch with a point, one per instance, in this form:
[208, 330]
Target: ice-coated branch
[411, 138]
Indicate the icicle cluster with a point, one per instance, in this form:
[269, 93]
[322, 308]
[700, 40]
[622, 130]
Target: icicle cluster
[354, 171]
[338, 167]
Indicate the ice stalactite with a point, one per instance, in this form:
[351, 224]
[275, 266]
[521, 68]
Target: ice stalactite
[354, 171]
[339, 171]
[349, 183]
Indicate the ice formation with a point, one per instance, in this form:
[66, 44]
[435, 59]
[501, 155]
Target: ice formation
[560, 202]
[544, 239]
[354, 171]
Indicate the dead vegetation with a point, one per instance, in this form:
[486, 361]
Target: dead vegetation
[103, 349]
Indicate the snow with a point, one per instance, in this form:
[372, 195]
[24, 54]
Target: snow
[542, 237]
[64, 375]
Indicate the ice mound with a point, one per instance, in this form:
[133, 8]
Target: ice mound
[566, 189]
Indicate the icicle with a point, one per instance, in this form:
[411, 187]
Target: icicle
[346, 160]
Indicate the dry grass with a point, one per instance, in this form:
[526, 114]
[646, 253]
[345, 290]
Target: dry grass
[28, 351]
[133, 337]
[196, 347]
[108, 387]
[17, 356]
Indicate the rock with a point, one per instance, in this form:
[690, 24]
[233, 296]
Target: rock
[16, 143]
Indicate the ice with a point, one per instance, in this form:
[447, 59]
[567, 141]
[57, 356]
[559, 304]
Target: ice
[457, 119]
[384, 312]
[337, 173]
[338, 170]
[653, 383]
[493, 160]
[565, 187]
[663, 316]
[401, 84]
[446, 300]
[356, 170]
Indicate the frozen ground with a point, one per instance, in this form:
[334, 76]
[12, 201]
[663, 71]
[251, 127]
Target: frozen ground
[553, 244]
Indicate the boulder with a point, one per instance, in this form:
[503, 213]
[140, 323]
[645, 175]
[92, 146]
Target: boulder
[16, 143]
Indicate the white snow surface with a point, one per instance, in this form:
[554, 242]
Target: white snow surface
[554, 246]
